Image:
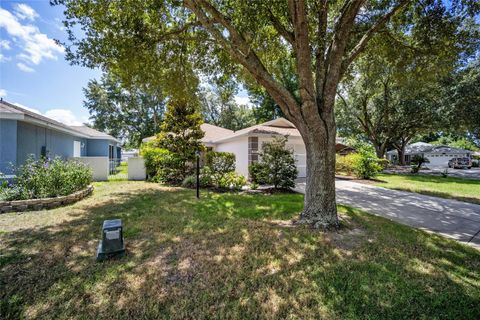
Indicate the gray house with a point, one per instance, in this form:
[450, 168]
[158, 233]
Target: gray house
[24, 133]
[438, 155]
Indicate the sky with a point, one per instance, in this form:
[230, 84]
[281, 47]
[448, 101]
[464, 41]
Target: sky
[33, 70]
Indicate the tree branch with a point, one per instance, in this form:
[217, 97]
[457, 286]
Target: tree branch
[281, 29]
[238, 47]
[303, 53]
[321, 47]
[371, 32]
[336, 49]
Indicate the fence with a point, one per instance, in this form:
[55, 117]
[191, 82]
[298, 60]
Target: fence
[100, 166]
[104, 168]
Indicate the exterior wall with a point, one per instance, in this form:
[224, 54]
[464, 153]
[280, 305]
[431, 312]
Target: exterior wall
[294, 143]
[239, 147]
[97, 148]
[99, 166]
[31, 138]
[100, 148]
[136, 169]
[8, 145]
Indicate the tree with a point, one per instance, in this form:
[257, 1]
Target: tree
[180, 133]
[277, 164]
[320, 38]
[219, 108]
[395, 94]
[462, 102]
[130, 114]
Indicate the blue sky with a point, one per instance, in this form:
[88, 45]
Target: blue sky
[33, 71]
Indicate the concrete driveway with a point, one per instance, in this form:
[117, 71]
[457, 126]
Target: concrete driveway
[450, 218]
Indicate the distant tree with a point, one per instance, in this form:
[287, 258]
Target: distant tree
[462, 102]
[130, 114]
[219, 108]
[180, 133]
[393, 95]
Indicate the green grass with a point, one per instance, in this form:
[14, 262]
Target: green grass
[122, 173]
[227, 256]
[449, 187]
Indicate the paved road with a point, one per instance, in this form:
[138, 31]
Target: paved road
[454, 219]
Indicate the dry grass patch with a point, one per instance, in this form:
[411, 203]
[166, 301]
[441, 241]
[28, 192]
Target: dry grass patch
[227, 256]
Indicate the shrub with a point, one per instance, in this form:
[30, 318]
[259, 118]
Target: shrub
[277, 165]
[417, 162]
[219, 164]
[161, 164]
[45, 178]
[191, 180]
[345, 164]
[257, 172]
[366, 164]
[231, 180]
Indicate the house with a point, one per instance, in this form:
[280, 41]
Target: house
[247, 143]
[24, 133]
[438, 155]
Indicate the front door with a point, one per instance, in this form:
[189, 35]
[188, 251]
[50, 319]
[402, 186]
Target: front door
[76, 148]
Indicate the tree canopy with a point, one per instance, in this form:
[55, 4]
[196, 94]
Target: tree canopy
[128, 113]
[173, 42]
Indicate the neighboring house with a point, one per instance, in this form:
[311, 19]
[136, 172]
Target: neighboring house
[247, 143]
[24, 133]
[438, 155]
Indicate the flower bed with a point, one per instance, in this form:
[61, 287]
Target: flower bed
[45, 203]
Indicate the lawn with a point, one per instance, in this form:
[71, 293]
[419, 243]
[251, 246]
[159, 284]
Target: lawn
[226, 256]
[449, 187]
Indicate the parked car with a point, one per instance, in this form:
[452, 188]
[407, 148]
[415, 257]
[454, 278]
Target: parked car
[460, 163]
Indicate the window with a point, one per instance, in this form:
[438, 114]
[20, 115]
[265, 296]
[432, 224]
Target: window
[252, 150]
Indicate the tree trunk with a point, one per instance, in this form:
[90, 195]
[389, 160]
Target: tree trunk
[380, 150]
[320, 210]
[401, 155]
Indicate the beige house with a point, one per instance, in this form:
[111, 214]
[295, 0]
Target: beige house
[247, 143]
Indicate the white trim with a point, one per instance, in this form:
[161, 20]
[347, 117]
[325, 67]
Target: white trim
[11, 116]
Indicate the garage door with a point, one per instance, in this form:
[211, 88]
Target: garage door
[300, 158]
[439, 160]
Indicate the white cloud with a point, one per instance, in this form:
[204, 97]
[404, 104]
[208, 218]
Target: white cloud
[35, 45]
[24, 11]
[24, 67]
[5, 45]
[61, 115]
[3, 93]
[64, 116]
[243, 100]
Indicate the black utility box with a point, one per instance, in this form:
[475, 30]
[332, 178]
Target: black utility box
[112, 240]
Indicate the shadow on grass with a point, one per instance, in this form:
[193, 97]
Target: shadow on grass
[435, 179]
[216, 258]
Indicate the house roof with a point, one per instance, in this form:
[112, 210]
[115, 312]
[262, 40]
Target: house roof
[93, 133]
[11, 111]
[280, 126]
[422, 147]
[211, 133]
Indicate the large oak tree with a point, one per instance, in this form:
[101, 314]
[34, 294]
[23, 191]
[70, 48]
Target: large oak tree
[320, 37]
